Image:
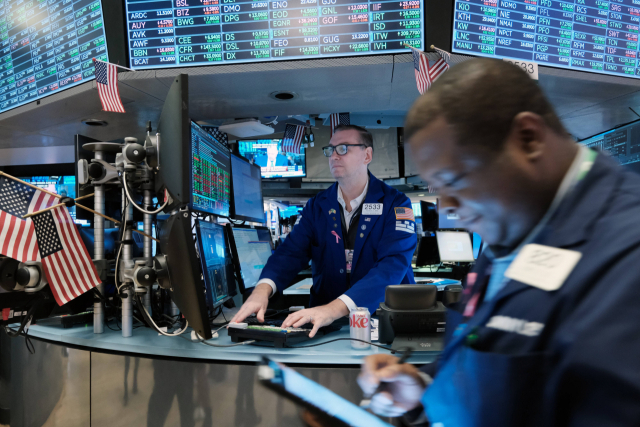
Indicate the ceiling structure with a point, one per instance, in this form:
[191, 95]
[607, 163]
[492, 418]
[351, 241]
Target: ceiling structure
[378, 88]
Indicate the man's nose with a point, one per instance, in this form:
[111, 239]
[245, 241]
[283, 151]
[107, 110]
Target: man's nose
[334, 155]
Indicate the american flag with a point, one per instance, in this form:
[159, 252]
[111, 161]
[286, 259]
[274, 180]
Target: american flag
[65, 260]
[293, 135]
[107, 82]
[339, 119]
[404, 213]
[17, 235]
[426, 75]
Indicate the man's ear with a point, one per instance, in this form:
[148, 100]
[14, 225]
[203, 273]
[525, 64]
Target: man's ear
[528, 131]
[368, 157]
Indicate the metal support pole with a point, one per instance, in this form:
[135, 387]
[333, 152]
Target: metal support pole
[147, 248]
[98, 250]
[126, 261]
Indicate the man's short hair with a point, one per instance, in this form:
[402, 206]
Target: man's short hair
[365, 136]
[479, 98]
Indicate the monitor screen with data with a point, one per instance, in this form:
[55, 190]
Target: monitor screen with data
[599, 36]
[623, 144]
[178, 33]
[47, 46]
[273, 159]
[252, 253]
[247, 190]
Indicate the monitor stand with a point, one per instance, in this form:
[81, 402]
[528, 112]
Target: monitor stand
[422, 342]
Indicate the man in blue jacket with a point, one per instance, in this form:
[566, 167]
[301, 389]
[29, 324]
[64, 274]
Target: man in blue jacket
[546, 333]
[359, 235]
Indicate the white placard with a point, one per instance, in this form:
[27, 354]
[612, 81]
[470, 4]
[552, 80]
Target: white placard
[543, 267]
[372, 209]
[530, 68]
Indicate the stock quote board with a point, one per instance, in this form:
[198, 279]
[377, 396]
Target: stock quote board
[178, 33]
[588, 35]
[47, 46]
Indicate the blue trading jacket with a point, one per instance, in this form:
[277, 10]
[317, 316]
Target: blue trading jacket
[569, 357]
[382, 254]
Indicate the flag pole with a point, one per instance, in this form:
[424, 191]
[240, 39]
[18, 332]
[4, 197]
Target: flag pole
[77, 204]
[55, 206]
[115, 65]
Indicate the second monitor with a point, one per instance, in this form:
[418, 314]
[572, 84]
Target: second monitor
[251, 254]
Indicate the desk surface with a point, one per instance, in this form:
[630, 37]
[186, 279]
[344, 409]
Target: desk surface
[303, 287]
[148, 342]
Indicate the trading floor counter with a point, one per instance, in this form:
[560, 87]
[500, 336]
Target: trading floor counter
[77, 378]
[148, 343]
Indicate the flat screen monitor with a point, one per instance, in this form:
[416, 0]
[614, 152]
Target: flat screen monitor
[599, 36]
[273, 160]
[429, 216]
[252, 254]
[210, 173]
[454, 246]
[48, 47]
[247, 190]
[215, 260]
[166, 34]
[623, 143]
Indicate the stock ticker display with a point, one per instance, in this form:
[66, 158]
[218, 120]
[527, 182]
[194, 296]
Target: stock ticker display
[174, 33]
[588, 35]
[47, 46]
[210, 173]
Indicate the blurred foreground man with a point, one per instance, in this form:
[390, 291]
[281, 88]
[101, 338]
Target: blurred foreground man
[547, 332]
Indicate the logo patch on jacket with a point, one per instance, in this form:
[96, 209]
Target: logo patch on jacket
[518, 326]
[406, 226]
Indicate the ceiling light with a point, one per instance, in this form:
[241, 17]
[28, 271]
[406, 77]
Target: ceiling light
[95, 122]
[283, 95]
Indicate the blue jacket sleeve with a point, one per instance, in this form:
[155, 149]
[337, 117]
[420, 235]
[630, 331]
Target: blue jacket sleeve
[394, 260]
[293, 254]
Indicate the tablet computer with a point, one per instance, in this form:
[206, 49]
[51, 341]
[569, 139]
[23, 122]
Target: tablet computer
[309, 394]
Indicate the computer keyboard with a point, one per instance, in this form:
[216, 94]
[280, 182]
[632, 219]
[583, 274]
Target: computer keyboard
[274, 324]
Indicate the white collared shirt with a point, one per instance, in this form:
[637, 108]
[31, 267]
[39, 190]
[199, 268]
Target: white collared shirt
[355, 204]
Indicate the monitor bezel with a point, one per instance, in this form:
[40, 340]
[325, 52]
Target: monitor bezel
[230, 292]
[232, 208]
[277, 177]
[234, 255]
[191, 205]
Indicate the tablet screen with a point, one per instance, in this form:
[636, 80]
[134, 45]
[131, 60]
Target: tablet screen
[318, 396]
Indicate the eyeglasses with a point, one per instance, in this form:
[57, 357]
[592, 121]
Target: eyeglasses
[341, 149]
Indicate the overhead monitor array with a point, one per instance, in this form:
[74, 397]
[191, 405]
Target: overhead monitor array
[273, 159]
[588, 35]
[180, 33]
[47, 46]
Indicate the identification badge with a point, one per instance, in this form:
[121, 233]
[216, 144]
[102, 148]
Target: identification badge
[543, 267]
[372, 209]
[348, 254]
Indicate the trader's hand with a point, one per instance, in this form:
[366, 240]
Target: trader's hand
[319, 316]
[402, 389]
[256, 303]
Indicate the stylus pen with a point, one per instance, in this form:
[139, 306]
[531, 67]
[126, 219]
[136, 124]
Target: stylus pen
[365, 403]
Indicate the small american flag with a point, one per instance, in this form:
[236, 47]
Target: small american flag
[293, 135]
[404, 213]
[426, 75]
[65, 260]
[107, 82]
[17, 236]
[339, 119]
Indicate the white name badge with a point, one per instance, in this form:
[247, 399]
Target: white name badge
[543, 267]
[372, 209]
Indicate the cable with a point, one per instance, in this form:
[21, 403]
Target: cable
[148, 317]
[126, 190]
[339, 339]
[115, 279]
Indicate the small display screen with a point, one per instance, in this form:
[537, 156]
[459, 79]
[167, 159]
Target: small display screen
[215, 261]
[47, 46]
[253, 254]
[455, 246]
[178, 33]
[247, 190]
[598, 36]
[210, 173]
[273, 160]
